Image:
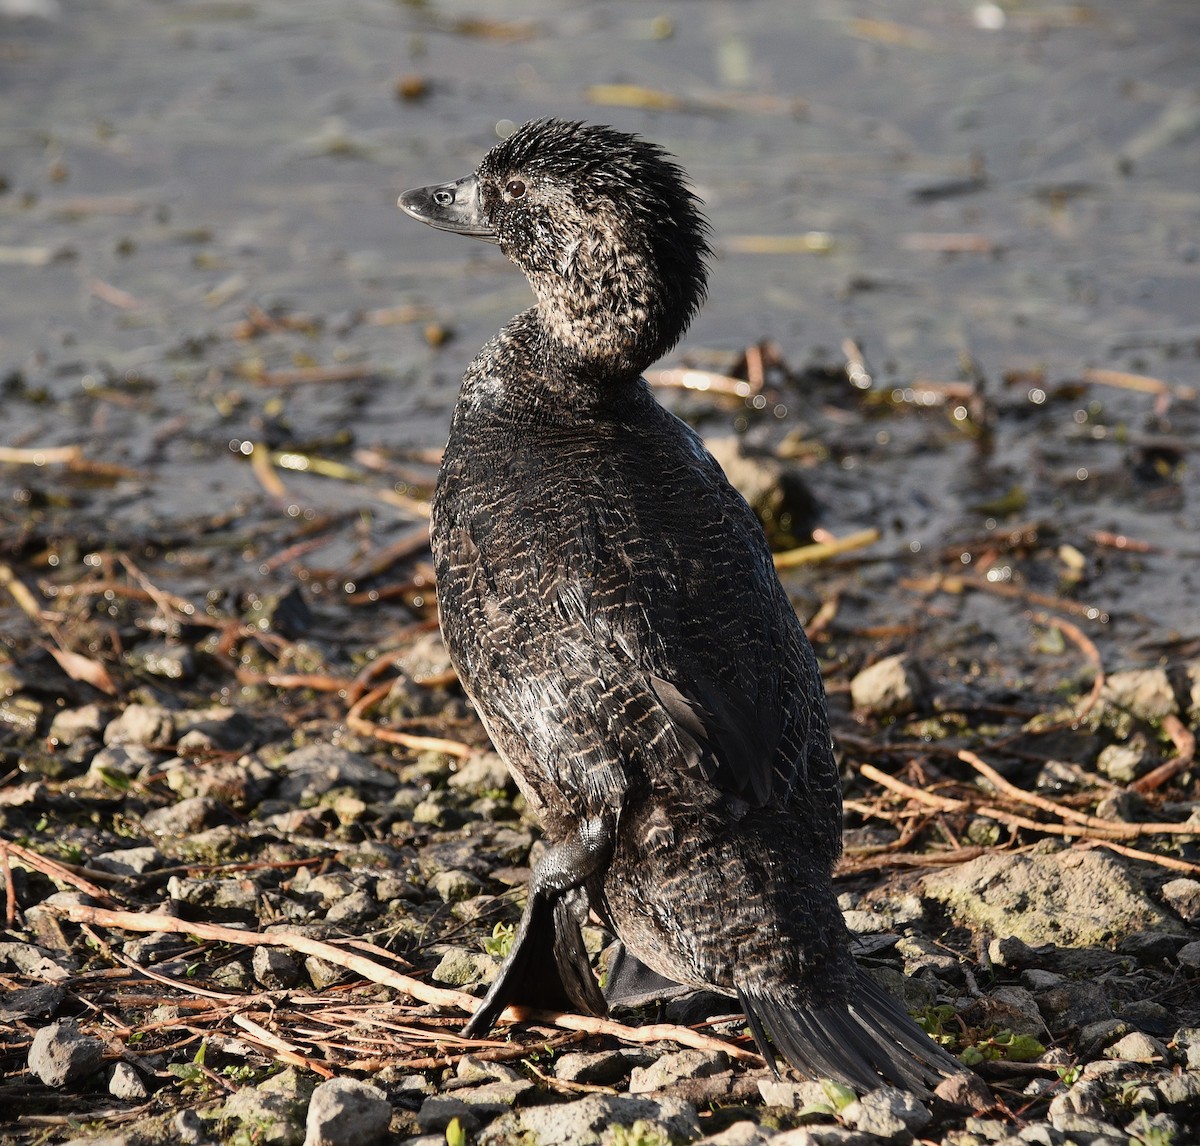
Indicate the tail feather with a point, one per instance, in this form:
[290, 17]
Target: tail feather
[865, 1042]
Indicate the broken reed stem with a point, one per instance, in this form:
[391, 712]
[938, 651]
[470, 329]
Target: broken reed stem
[1079, 826]
[1149, 857]
[356, 722]
[823, 550]
[377, 973]
[941, 803]
[281, 1048]
[52, 868]
[1185, 744]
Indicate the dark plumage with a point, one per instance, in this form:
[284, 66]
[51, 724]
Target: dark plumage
[610, 604]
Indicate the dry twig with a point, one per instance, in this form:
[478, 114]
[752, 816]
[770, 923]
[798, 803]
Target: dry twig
[377, 973]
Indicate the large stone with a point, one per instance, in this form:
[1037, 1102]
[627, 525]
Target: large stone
[1065, 897]
[677, 1067]
[1184, 896]
[1144, 693]
[61, 1053]
[315, 769]
[273, 1112]
[888, 1113]
[346, 1112]
[894, 686]
[592, 1121]
[146, 724]
[186, 818]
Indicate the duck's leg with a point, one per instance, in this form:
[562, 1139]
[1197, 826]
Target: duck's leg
[548, 965]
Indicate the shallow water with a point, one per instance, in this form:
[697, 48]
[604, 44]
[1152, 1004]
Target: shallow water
[1020, 201]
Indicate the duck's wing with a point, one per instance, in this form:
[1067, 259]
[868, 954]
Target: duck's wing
[613, 611]
[683, 588]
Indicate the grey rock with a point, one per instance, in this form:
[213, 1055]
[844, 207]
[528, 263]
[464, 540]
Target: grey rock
[1150, 1016]
[602, 1067]
[153, 948]
[884, 914]
[128, 861]
[1073, 1004]
[1183, 896]
[1187, 1045]
[125, 760]
[461, 967]
[74, 724]
[589, 1121]
[1073, 1125]
[1180, 1089]
[825, 1136]
[161, 658]
[1086, 1098]
[30, 1002]
[894, 686]
[914, 994]
[483, 773]
[1041, 1134]
[1007, 1008]
[425, 659]
[1147, 946]
[61, 1053]
[431, 811]
[677, 1067]
[1137, 1047]
[186, 817]
[1037, 979]
[475, 1070]
[346, 1112]
[1009, 951]
[807, 1095]
[739, 1134]
[330, 887]
[188, 1128]
[214, 729]
[234, 975]
[966, 1090]
[1065, 897]
[439, 1110]
[315, 769]
[322, 973]
[987, 1129]
[274, 967]
[1144, 693]
[1121, 763]
[453, 886]
[36, 961]
[877, 1122]
[494, 1098]
[921, 954]
[125, 1082]
[1095, 1037]
[226, 894]
[238, 783]
[355, 909]
[1155, 1128]
[145, 724]
[888, 1112]
[273, 1111]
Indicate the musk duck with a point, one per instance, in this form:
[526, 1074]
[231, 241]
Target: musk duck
[612, 610]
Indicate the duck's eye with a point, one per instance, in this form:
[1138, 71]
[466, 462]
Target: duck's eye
[514, 188]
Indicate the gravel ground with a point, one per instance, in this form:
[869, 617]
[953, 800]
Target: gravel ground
[340, 808]
[254, 847]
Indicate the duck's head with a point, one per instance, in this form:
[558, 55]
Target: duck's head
[611, 240]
